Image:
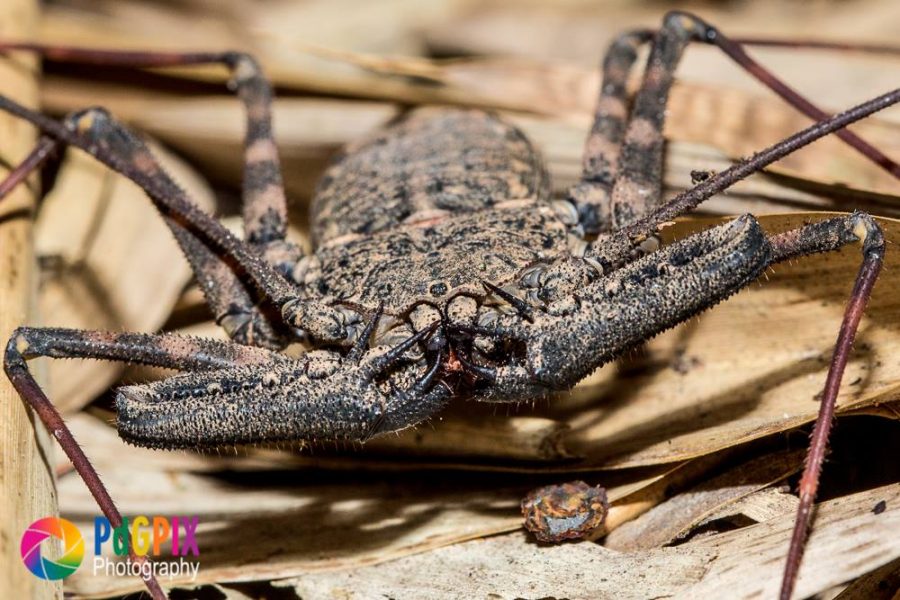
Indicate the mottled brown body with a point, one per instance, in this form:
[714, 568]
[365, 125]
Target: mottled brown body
[435, 261]
[442, 267]
[424, 211]
[434, 163]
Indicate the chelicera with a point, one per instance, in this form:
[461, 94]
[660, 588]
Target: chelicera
[443, 267]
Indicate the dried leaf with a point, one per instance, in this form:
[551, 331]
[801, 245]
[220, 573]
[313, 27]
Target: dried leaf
[881, 584]
[26, 484]
[676, 517]
[848, 539]
[282, 525]
[517, 438]
[508, 566]
[735, 121]
[581, 31]
[764, 505]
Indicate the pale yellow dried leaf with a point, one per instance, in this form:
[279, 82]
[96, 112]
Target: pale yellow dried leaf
[26, 483]
[881, 584]
[736, 119]
[847, 540]
[764, 505]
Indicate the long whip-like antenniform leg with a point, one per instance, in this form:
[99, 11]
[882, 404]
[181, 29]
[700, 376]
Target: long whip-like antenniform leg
[43, 150]
[692, 198]
[820, 237]
[735, 51]
[641, 168]
[613, 250]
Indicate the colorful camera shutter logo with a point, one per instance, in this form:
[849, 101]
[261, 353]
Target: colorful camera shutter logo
[46, 529]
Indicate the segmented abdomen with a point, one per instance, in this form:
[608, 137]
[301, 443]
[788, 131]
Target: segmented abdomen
[434, 161]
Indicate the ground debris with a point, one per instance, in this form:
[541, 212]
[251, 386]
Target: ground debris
[567, 511]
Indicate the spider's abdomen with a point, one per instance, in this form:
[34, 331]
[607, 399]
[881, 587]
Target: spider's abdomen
[435, 162]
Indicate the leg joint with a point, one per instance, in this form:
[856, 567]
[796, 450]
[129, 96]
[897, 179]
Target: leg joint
[689, 24]
[869, 233]
[17, 350]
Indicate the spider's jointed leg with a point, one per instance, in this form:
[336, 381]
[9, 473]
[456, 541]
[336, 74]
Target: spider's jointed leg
[616, 249]
[261, 318]
[622, 164]
[232, 394]
[264, 203]
[822, 237]
[229, 300]
[116, 147]
[600, 161]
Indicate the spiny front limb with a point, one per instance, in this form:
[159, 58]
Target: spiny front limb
[322, 395]
[568, 340]
[346, 396]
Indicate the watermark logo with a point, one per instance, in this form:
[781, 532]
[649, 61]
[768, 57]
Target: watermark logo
[147, 535]
[39, 555]
[156, 536]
